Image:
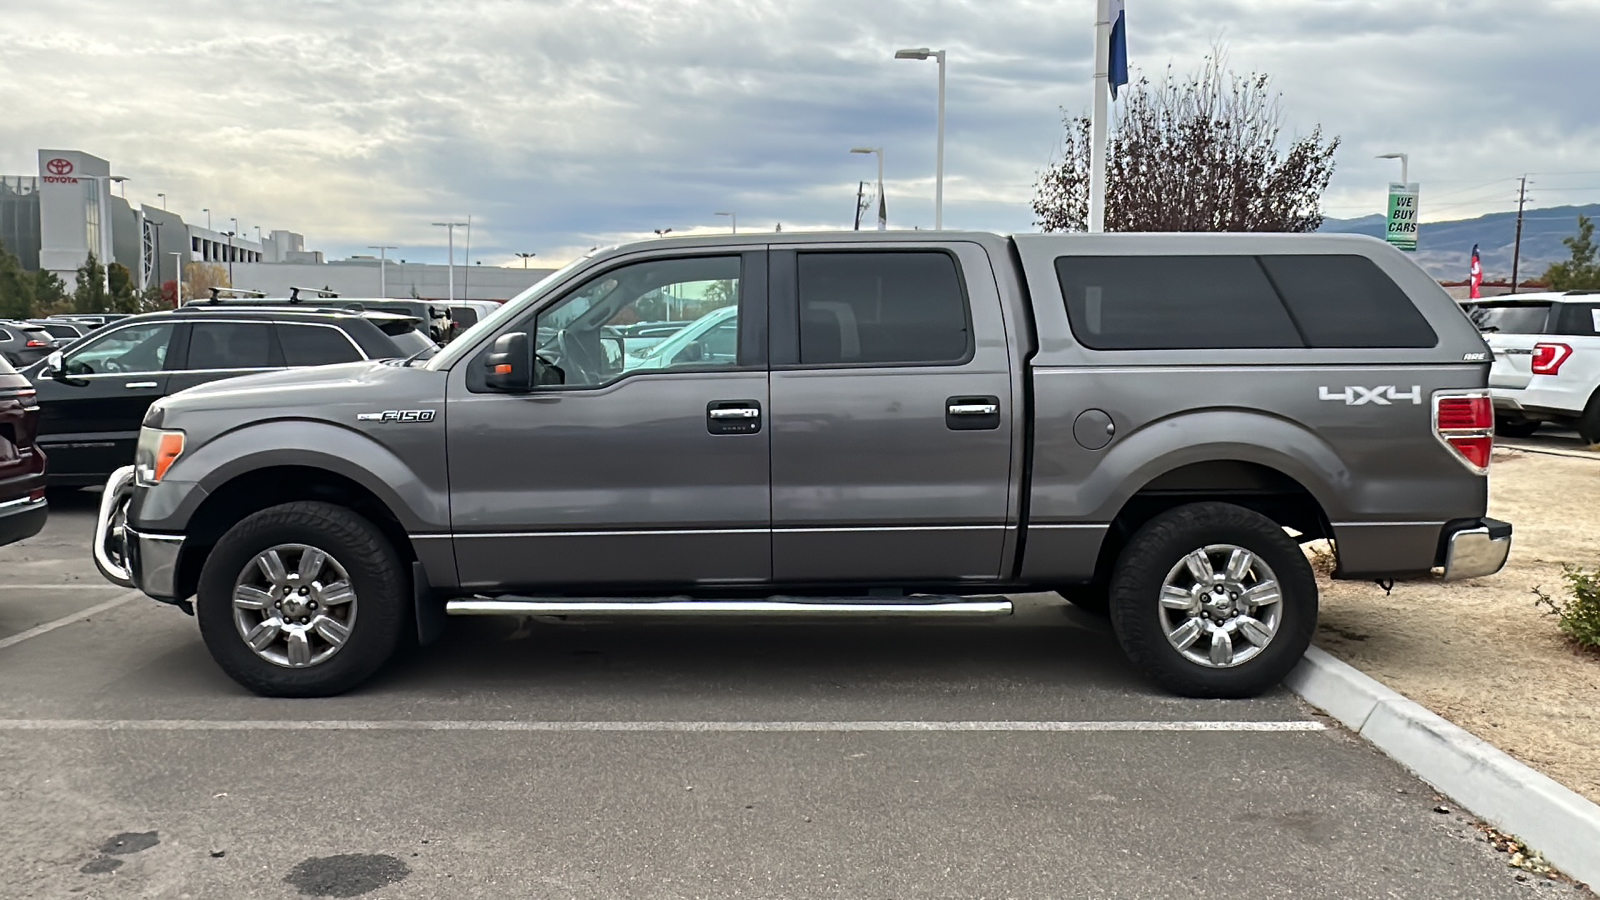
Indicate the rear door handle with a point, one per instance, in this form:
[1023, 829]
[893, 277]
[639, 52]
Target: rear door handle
[733, 417]
[142, 384]
[972, 413]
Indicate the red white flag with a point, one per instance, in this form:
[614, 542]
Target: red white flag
[1476, 272]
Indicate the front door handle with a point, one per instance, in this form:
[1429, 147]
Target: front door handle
[142, 384]
[733, 417]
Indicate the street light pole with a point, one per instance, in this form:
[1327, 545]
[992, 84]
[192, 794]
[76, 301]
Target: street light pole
[163, 200]
[1405, 164]
[450, 228]
[938, 171]
[732, 217]
[383, 266]
[525, 257]
[208, 218]
[177, 281]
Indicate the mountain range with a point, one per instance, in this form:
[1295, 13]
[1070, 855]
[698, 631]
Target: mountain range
[1444, 249]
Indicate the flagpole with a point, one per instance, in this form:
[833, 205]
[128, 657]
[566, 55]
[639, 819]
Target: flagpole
[1097, 139]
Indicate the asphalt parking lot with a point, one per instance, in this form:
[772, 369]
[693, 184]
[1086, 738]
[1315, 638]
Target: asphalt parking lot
[1020, 758]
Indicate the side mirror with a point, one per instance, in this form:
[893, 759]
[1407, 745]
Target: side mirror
[55, 367]
[613, 347]
[509, 365]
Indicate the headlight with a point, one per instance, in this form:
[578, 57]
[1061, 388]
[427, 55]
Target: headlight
[158, 450]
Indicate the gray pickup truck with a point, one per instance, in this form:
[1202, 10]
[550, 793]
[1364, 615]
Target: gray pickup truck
[887, 424]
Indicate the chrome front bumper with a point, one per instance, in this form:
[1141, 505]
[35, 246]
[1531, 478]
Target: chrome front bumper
[127, 557]
[1477, 550]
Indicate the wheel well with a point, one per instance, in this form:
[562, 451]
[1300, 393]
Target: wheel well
[1250, 485]
[254, 491]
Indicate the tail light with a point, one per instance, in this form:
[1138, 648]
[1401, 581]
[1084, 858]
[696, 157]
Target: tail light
[1547, 358]
[1464, 422]
[38, 343]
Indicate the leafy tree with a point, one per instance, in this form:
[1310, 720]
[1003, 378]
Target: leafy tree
[90, 296]
[50, 293]
[1200, 152]
[1581, 272]
[124, 296]
[200, 278]
[16, 288]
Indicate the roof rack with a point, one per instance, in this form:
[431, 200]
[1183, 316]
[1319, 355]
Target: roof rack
[294, 293]
[217, 292]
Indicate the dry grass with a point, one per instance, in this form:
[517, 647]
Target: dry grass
[1481, 653]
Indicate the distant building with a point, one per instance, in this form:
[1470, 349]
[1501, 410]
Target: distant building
[55, 219]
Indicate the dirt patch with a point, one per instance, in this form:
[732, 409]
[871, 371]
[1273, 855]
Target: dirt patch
[1478, 652]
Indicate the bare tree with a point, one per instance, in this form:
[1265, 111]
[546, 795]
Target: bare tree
[1194, 153]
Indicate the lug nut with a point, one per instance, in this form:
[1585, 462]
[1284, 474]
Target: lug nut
[312, 605]
[277, 604]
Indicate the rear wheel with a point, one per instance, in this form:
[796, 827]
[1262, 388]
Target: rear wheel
[1213, 600]
[303, 600]
[1589, 422]
[1515, 428]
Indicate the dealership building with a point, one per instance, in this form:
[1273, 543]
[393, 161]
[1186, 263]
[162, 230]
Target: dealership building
[55, 219]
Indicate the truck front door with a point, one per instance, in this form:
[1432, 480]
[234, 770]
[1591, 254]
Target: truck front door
[645, 466]
[892, 426]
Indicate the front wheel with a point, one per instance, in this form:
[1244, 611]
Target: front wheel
[1213, 600]
[303, 600]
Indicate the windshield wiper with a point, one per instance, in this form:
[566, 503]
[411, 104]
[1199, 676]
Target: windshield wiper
[413, 357]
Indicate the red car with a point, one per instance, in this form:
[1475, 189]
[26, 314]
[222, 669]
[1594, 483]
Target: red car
[22, 503]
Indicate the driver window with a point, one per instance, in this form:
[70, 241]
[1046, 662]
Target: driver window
[137, 348]
[660, 315]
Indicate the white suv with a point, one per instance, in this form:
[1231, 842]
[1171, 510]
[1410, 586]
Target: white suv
[1546, 360]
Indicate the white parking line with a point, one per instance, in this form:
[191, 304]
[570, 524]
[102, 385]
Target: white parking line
[691, 727]
[78, 616]
[63, 587]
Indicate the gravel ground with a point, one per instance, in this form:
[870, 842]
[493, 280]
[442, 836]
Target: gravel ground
[1493, 663]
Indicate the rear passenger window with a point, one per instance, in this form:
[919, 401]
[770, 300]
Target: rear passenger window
[1582, 319]
[1173, 303]
[881, 308]
[1347, 301]
[230, 345]
[314, 345]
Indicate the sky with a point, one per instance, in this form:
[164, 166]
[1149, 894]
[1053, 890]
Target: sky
[558, 125]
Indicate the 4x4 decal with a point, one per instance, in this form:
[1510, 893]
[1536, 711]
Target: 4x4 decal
[1380, 396]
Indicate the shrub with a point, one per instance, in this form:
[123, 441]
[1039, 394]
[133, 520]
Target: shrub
[1579, 614]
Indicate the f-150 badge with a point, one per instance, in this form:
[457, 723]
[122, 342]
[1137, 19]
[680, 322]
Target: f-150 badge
[397, 415]
[1380, 396]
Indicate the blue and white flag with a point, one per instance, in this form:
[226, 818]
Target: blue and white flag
[1118, 70]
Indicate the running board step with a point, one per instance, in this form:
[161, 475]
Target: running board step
[798, 607]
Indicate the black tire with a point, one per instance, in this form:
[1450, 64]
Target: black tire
[1589, 423]
[1515, 428]
[1162, 544]
[1094, 599]
[381, 583]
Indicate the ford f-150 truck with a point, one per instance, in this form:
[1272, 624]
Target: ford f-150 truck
[908, 424]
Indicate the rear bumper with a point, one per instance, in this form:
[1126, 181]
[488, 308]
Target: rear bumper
[22, 519]
[1476, 548]
[1551, 401]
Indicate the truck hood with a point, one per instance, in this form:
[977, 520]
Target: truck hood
[312, 390]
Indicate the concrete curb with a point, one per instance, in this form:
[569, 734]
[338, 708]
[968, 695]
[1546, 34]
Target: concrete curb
[1507, 794]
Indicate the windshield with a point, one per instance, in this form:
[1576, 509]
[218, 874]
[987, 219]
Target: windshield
[492, 321]
[1510, 319]
[412, 342]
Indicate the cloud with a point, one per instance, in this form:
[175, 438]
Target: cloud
[560, 124]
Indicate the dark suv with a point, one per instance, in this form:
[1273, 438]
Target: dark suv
[94, 395]
[22, 343]
[22, 503]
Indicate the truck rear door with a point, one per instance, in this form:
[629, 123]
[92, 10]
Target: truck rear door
[891, 414]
